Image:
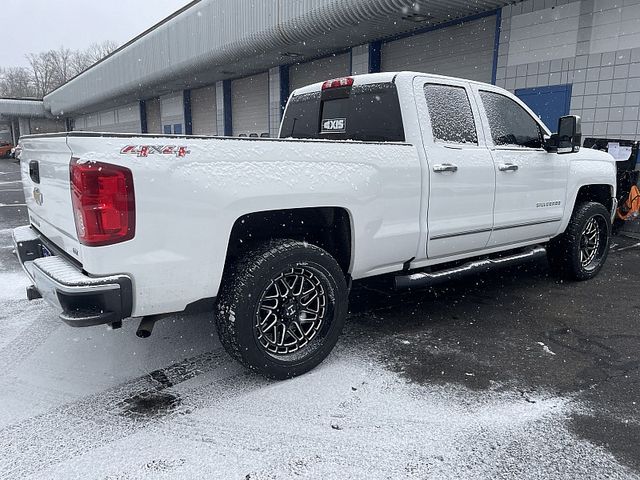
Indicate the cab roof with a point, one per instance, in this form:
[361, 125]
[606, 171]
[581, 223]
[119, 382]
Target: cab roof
[385, 77]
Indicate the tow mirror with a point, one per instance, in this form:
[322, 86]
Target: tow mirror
[569, 136]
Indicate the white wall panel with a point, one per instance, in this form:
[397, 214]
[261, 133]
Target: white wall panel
[250, 105]
[464, 50]
[319, 70]
[204, 111]
[547, 34]
[616, 26]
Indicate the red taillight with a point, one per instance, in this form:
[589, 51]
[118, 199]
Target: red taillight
[338, 83]
[103, 203]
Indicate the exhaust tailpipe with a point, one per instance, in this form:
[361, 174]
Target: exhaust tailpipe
[145, 329]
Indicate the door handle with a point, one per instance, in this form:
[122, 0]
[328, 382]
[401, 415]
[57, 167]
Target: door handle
[508, 167]
[445, 167]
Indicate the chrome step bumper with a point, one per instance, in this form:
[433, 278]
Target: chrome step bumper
[83, 300]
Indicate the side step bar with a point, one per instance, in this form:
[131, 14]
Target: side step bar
[426, 279]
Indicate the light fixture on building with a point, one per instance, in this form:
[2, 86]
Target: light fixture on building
[417, 18]
[291, 55]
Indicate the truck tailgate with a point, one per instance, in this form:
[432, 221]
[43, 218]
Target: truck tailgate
[46, 181]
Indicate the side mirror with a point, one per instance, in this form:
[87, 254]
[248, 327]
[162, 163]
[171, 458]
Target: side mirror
[569, 136]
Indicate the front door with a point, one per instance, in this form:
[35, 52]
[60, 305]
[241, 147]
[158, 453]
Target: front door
[530, 182]
[461, 180]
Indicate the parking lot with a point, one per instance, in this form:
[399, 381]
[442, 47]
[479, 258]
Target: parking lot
[511, 375]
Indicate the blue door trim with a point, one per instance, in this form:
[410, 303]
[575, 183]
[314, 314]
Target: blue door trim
[496, 46]
[228, 114]
[144, 126]
[285, 87]
[375, 57]
[188, 117]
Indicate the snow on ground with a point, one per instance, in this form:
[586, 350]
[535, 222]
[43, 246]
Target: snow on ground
[349, 419]
[95, 404]
[13, 286]
[205, 417]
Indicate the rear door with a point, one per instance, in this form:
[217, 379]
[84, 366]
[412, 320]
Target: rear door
[47, 189]
[531, 183]
[461, 173]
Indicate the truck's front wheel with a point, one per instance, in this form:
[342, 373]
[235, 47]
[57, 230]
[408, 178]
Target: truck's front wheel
[581, 252]
[282, 307]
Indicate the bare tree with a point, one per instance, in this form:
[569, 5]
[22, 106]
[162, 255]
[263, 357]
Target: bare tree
[82, 60]
[17, 83]
[48, 70]
[43, 71]
[62, 63]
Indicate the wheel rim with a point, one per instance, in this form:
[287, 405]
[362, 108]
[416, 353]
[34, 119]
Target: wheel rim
[291, 312]
[591, 243]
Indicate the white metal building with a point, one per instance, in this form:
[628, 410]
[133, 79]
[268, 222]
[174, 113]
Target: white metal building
[205, 71]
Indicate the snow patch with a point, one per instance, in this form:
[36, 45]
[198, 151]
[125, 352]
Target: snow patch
[13, 285]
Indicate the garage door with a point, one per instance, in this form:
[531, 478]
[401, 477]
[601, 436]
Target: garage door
[172, 114]
[119, 120]
[203, 111]
[128, 119]
[319, 70]
[464, 50]
[87, 123]
[154, 120]
[250, 105]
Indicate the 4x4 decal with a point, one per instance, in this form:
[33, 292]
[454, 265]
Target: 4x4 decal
[146, 150]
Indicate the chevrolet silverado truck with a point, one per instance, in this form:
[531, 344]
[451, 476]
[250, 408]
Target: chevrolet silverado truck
[413, 177]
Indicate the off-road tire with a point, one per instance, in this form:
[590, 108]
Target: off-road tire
[564, 252]
[243, 291]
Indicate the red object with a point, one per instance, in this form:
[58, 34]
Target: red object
[5, 149]
[104, 203]
[338, 83]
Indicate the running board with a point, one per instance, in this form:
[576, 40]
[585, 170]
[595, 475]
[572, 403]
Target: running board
[426, 279]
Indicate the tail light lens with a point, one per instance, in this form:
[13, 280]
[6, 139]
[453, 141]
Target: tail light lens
[338, 83]
[103, 203]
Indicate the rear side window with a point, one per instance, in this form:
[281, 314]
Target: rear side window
[511, 125]
[451, 115]
[369, 113]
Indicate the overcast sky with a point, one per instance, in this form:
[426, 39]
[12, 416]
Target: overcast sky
[38, 25]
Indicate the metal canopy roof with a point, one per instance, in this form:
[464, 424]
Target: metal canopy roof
[212, 40]
[19, 107]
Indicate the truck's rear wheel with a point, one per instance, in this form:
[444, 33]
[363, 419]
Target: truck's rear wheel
[581, 252]
[282, 307]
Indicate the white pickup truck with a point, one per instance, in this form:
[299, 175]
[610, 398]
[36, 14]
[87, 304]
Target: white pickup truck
[418, 176]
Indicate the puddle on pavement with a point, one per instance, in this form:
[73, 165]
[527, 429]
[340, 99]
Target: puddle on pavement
[150, 405]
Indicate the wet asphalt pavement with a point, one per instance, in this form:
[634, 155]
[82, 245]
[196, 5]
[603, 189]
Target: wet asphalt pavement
[508, 375]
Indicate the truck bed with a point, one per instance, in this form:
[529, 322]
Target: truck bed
[190, 192]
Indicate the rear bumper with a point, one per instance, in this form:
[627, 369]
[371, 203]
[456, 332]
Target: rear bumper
[83, 300]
